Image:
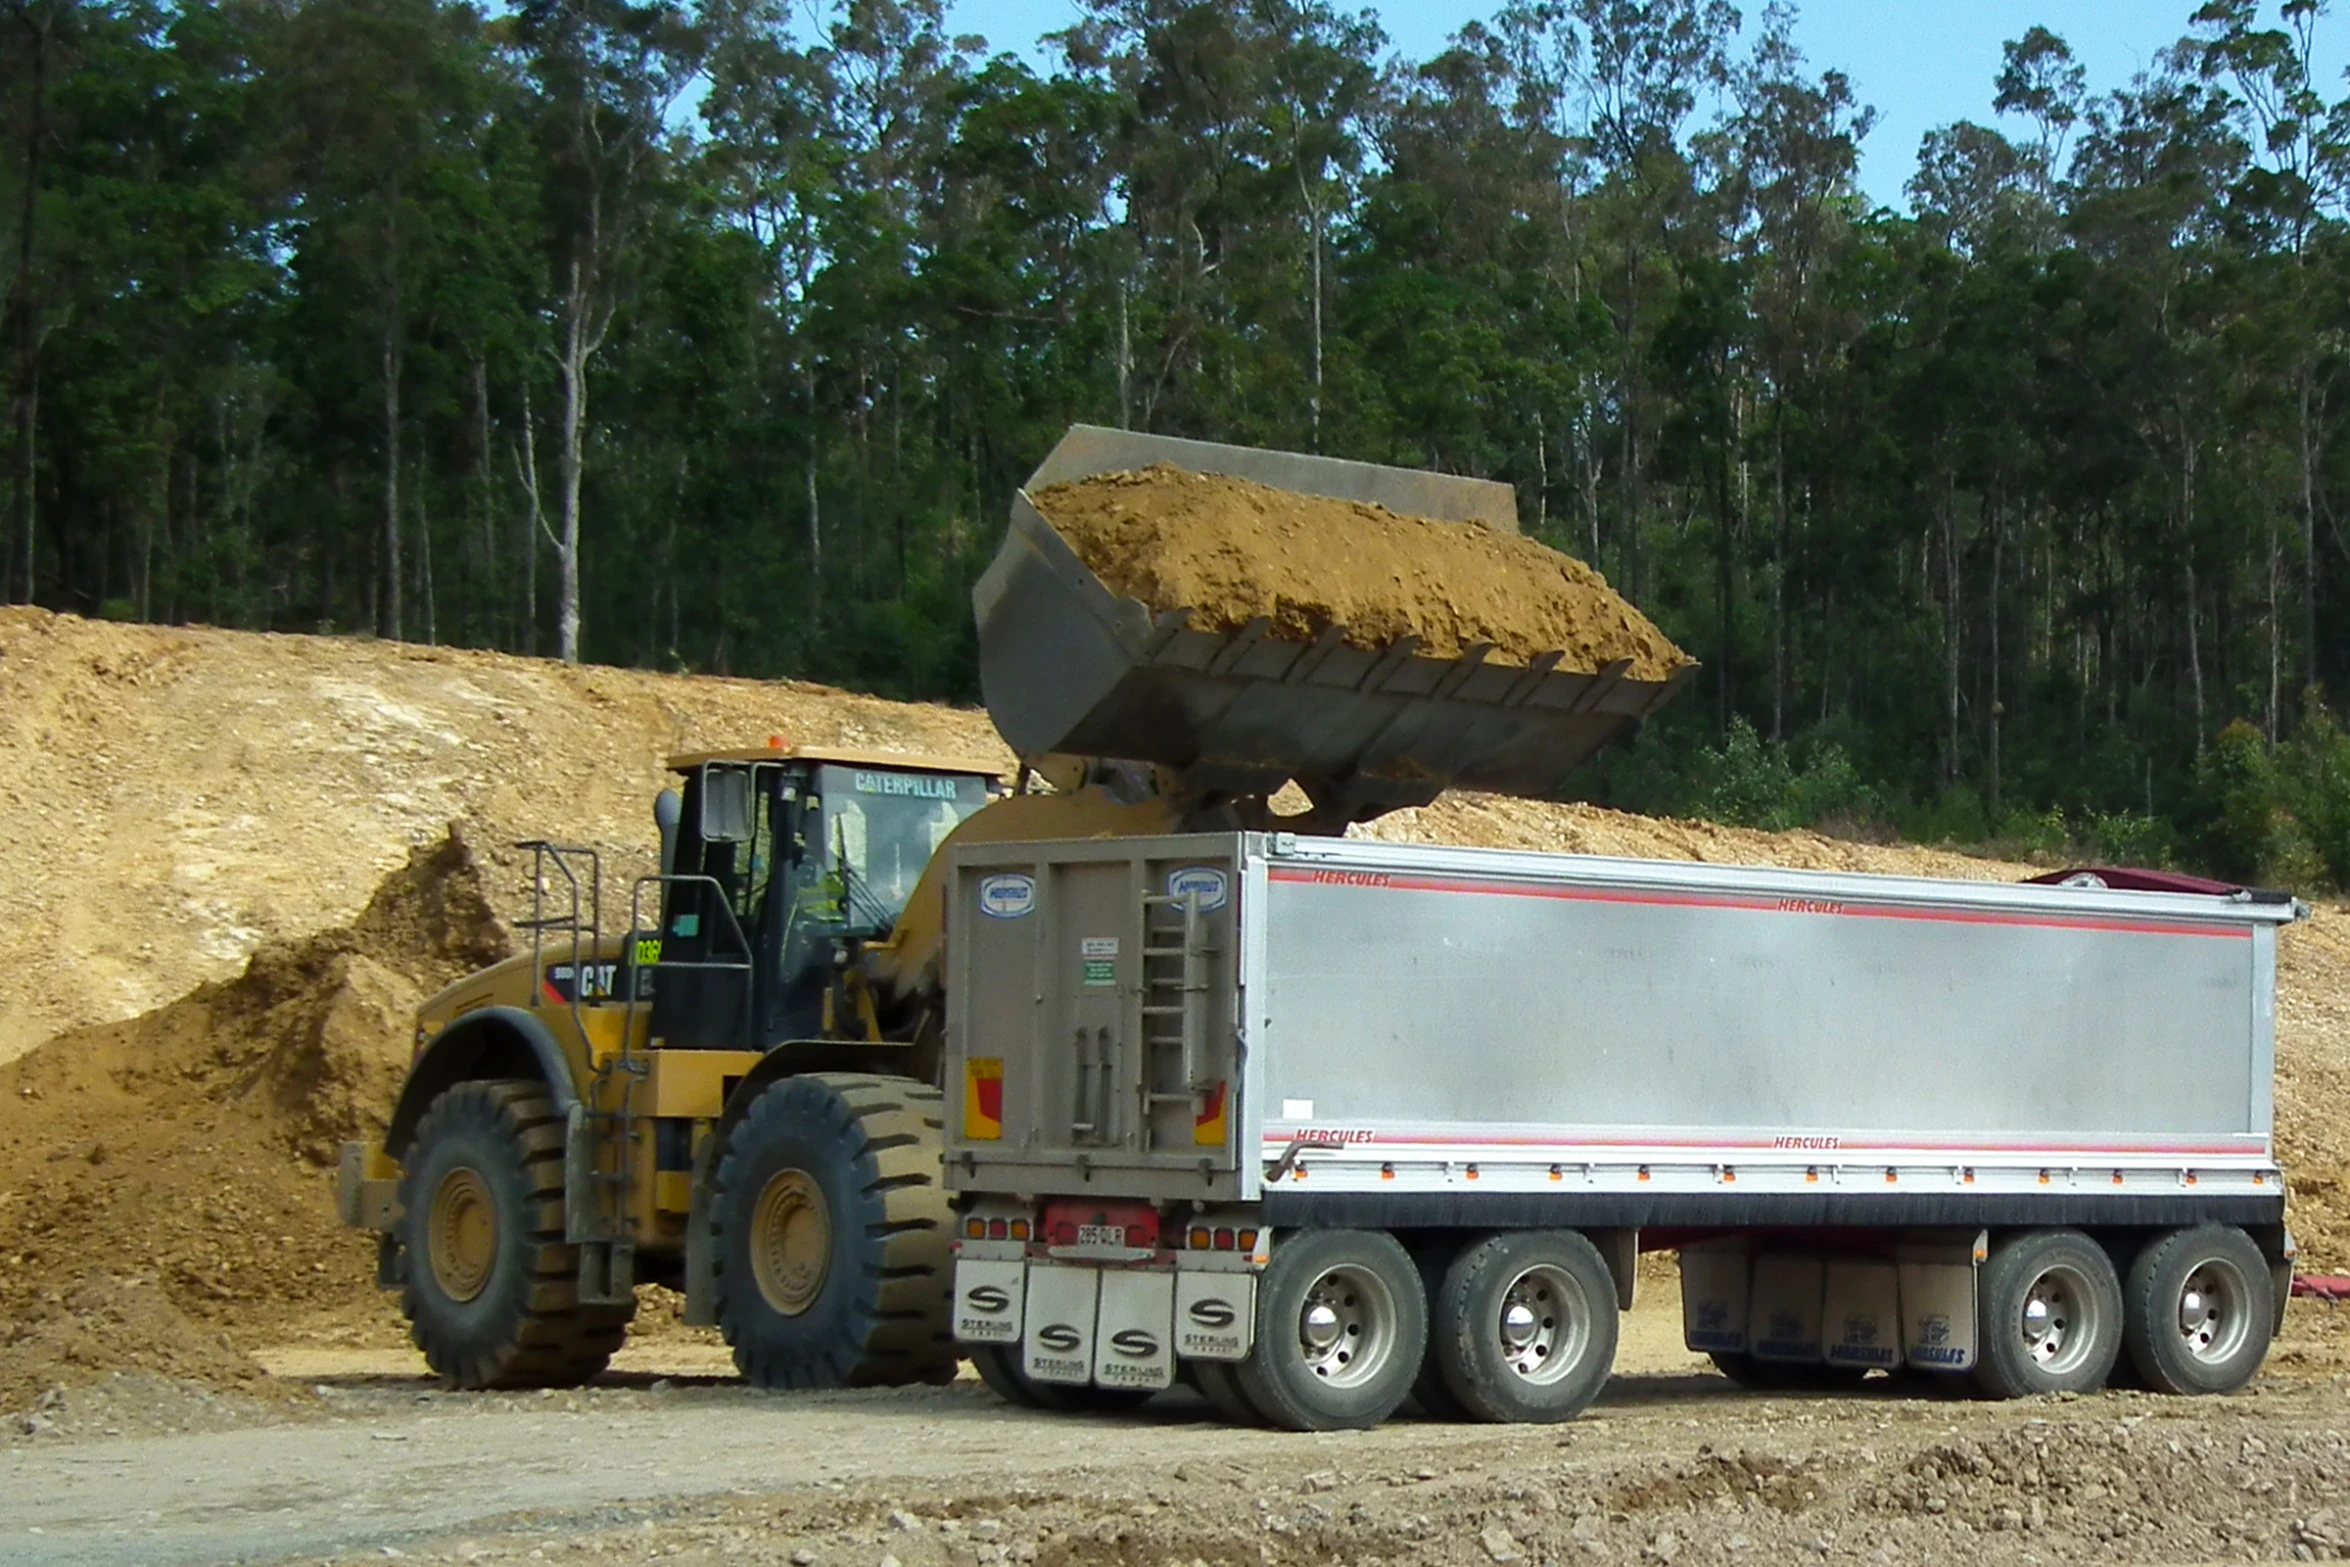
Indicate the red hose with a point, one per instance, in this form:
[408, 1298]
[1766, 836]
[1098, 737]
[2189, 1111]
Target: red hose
[2316, 1288]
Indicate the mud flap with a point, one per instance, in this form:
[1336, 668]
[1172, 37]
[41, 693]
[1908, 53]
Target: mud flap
[1713, 1298]
[1938, 1329]
[1215, 1315]
[1783, 1312]
[1862, 1326]
[1134, 1330]
[988, 1300]
[1058, 1342]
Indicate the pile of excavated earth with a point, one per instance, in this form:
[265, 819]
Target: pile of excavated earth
[231, 865]
[1233, 551]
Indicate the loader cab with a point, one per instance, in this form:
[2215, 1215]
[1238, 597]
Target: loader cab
[781, 864]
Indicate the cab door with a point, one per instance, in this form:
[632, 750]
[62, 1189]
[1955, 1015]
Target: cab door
[710, 955]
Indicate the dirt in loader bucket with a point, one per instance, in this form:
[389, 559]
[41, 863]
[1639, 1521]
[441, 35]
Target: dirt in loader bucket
[1234, 550]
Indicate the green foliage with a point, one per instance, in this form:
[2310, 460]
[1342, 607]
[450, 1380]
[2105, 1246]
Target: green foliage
[1984, 520]
[1748, 781]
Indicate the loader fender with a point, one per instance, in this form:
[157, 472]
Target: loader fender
[495, 1042]
[797, 1058]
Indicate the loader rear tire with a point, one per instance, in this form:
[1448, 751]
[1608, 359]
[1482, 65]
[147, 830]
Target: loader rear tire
[832, 1235]
[492, 1292]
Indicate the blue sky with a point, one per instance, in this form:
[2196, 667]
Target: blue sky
[1920, 63]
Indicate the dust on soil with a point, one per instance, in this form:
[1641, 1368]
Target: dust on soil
[1233, 550]
[170, 1177]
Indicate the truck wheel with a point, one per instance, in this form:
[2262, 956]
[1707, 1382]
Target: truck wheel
[1524, 1327]
[1341, 1326]
[2051, 1311]
[1218, 1382]
[492, 1296]
[831, 1234]
[2197, 1310]
[1436, 1401]
[999, 1367]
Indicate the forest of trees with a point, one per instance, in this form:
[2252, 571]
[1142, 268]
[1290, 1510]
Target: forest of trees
[714, 335]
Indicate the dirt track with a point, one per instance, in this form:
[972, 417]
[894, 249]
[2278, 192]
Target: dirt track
[1673, 1466]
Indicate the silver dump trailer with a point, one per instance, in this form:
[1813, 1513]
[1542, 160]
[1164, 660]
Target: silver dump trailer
[1317, 1124]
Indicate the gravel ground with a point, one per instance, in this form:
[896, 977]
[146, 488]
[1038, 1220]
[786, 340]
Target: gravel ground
[1674, 1466]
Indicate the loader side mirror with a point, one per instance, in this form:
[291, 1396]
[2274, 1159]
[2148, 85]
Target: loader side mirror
[726, 805]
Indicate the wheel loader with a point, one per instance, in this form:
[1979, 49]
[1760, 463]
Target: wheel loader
[734, 1090]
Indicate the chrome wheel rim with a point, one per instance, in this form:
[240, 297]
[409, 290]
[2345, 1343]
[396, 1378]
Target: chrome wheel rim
[1543, 1324]
[2060, 1320]
[2214, 1312]
[1346, 1326]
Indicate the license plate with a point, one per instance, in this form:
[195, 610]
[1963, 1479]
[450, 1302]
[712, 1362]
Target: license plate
[1101, 1235]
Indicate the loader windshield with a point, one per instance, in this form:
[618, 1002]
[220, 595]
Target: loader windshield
[880, 830]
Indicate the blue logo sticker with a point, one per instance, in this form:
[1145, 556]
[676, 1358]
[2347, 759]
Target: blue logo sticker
[1008, 896]
[1208, 884]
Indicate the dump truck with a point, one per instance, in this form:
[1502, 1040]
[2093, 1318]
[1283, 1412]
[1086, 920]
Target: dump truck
[736, 1088]
[1318, 1125]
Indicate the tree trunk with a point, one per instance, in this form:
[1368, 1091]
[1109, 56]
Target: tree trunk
[391, 627]
[573, 364]
[2194, 608]
[2308, 534]
[28, 382]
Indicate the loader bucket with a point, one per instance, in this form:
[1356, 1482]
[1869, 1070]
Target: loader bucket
[1068, 666]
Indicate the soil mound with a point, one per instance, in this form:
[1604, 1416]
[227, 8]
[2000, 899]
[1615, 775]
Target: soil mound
[1233, 550]
[103, 1327]
[193, 1148]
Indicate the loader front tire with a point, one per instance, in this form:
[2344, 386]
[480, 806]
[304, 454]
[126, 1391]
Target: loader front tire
[492, 1292]
[833, 1237]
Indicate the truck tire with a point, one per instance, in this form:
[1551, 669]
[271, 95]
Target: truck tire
[2051, 1314]
[999, 1367]
[2197, 1310]
[1341, 1325]
[1218, 1382]
[831, 1235]
[492, 1292]
[1436, 1400]
[1785, 1376]
[1524, 1326]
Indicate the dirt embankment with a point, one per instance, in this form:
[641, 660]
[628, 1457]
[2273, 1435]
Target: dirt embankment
[170, 799]
[1233, 550]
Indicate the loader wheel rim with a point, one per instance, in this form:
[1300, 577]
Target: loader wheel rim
[1543, 1325]
[463, 1234]
[791, 1241]
[2214, 1312]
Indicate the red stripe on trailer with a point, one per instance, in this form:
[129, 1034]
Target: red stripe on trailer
[1715, 1144]
[1388, 881]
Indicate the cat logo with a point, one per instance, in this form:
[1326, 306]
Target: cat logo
[1060, 1338]
[988, 1299]
[1133, 1343]
[1212, 1313]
